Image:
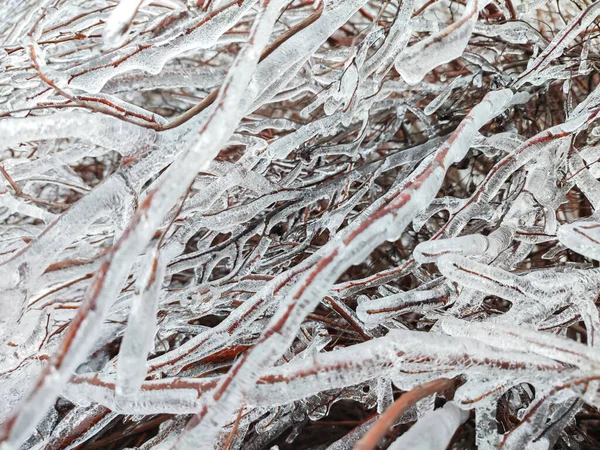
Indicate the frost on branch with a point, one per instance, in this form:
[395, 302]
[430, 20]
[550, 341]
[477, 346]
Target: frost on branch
[243, 223]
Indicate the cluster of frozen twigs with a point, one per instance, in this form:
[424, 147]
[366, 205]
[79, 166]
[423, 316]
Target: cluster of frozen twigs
[299, 224]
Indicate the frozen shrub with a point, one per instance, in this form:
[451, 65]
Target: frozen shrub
[230, 224]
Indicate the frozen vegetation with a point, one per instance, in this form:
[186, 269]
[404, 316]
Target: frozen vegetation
[275, 224]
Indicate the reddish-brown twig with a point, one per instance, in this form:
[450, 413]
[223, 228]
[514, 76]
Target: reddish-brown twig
[399, 407]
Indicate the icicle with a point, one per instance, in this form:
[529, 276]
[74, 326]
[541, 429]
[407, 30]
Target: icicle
[415, 62]
[434, 430]
[138, 339]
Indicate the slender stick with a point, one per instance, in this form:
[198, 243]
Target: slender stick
[399, 407]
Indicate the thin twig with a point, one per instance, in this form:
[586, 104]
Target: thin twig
[399, 407]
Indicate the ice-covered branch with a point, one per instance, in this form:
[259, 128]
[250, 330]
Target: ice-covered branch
[227, 221]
